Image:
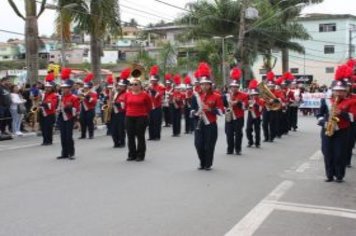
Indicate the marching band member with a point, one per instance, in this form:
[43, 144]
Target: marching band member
[177, 105]
[69, 106]
[269, 123]
[167, 100]
[118, 115]
[106, 97]
[294, 105]
[88, 102]
[235, 102]
[335, 120]
[138, 106]
[280, 122]
[155, 91]
[255, 107]
[48, 108]
[205, 107]
[197, 87]
[189, 127]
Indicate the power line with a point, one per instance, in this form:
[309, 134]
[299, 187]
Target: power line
[145, 12]
[11, 32]
[147, 8]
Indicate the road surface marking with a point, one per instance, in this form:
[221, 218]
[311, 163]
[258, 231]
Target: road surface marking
[316, 156]
[252, 221]
[313, 209]
[303, 167]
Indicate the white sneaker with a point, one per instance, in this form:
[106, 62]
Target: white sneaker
[19, 133]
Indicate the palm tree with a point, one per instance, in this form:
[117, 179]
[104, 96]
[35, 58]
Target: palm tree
[31, 34]
[97, 18]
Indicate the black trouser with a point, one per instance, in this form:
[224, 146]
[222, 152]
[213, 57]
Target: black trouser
[205, 139]
[176, 120]
[293, 117]
[5, 119]
[189, 127]
[253, 125]
[334, 150]
[46, 124]
[167, 116]
[350, 144]
[234, 134]
[66, 130]
[155, 124]
[118, 128]
[283, 122]
[136, 128]
[87, 122]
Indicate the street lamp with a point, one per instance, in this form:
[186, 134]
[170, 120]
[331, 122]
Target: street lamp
[58, 8]
[223, 55]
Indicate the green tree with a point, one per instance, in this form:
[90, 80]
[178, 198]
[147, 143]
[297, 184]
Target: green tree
[31, 34]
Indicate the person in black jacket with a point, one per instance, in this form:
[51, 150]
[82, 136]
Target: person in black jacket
[5, 102]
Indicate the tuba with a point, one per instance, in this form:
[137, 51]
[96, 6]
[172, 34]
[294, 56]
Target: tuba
[137, 71]
[267, 95]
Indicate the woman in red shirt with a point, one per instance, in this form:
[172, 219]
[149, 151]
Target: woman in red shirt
[138, 106]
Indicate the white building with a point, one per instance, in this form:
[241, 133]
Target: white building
[332, 41]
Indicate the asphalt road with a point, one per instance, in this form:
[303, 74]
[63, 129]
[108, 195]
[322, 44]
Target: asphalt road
[275, 190]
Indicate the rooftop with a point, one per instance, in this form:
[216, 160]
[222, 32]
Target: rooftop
[320, 16]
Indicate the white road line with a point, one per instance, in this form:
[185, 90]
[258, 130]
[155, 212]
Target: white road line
[316, 156]
[303, 167]
[252, 221]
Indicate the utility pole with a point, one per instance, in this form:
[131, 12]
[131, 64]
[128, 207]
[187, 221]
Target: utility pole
[350, 43]
[241, 38]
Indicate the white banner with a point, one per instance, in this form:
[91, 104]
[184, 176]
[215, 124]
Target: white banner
[311, 100]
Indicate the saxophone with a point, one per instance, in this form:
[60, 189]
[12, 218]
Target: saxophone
[229, 114]
[333, 119]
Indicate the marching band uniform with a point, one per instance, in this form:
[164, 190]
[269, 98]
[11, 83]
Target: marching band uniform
[269, 123]
[177, 106]
[237, 102]
[189, 127]
[167, 100]
[68, 111]
[293, 106]
[118, 115]
[48, 109]
[334, 145]
[106, 100]
[255, 108]
[205, 107]
[155, 91]
[281, 122]
[87, 110]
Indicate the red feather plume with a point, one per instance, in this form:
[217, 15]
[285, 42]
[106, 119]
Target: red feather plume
[351, 63]
[204, 69]
[270, 76]
[167, 76]
[343, 72]
[50, 77]
[177, 79]
[154, 70]
[235, 74]
[65, 73]
[125, 74]
[253, 84]
[187, 80]
[109, 79]
[288, 76]
[197, 74]
[88, 78]
[279, 81]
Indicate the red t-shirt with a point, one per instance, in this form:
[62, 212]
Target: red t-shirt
[138, 104]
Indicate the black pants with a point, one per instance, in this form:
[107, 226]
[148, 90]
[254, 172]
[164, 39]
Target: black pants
[234, 135]
[87, 122]
[66, 131]
[176, 120]
[350, 144]
[155, 124]
[5, 119]
[118, 129]
[293, 118]
[46, 124]
[284, 122]
[334, 150]
[136, 128]
[270, 125]
[189, 127]
[167, 116]
[253, 125]
[205, 140]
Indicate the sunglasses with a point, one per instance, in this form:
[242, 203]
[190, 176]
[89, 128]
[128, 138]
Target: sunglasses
[135, 84]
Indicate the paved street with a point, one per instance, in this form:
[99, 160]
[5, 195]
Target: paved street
[275, 190]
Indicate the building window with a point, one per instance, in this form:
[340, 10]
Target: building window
[294, 70]
[327, 27]
[329, 49]
[329, 70]
[263, 71]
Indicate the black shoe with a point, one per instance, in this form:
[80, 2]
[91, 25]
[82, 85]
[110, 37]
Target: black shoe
[329, 180]
[140, 159]
[82, 137]
[62, 157]
[71, 158]
[207, 168]
[150, 139]
[116, 146]
[266, 140]
[230, 153]
[91, 137]
[349, 166]
[250, 145]
[200, 168]
[238, 153]
[257, 146]
[131, 159]
[121, 146]
[271, 140]
[339, 180]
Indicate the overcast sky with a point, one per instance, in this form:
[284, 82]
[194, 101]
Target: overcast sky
[9, 21]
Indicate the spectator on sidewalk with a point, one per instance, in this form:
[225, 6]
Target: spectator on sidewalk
[17, 110]
[5, 102]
